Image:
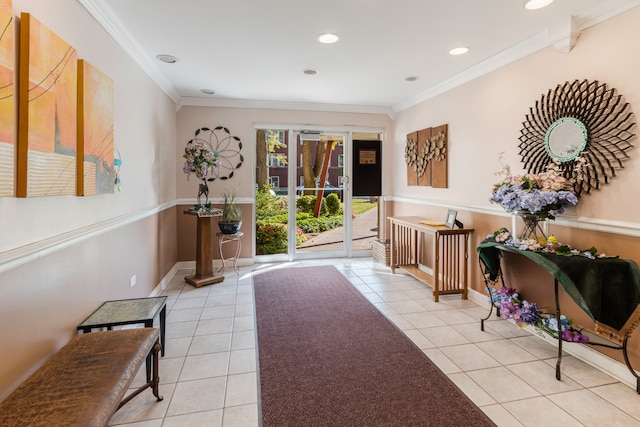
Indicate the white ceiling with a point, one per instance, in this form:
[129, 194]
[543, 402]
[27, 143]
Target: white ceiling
[255, 51]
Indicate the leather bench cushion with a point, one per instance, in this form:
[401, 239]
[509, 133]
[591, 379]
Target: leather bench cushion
[83, 383]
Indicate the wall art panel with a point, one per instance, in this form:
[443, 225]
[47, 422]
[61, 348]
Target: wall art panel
[7, 100]
[47, 112]
[96, 174]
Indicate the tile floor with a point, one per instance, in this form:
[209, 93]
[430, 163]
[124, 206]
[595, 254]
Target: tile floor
[208, 375]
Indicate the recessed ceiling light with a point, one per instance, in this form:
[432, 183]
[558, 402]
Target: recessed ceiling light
[167, 58]
[537, 4]
[458, 51]
[328, 38]
[310, 71]
[412, 78]
[207, 91]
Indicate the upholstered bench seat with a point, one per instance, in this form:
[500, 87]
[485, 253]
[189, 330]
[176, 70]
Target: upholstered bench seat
[85, 382]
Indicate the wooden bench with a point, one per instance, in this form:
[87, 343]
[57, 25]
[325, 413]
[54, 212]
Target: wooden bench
[85, 382]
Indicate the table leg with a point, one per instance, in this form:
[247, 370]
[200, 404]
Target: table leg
[221, 241]
[156, 378]
[235, 259]
[163, 322]
[559, 360]
[393, 248]
[148, 363]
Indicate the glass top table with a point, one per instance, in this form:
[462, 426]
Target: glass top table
[128, 312]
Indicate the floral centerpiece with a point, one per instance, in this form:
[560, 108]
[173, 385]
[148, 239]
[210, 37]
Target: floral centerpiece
[524, 313]
[534, 197]
[200, 160]
[545, 194]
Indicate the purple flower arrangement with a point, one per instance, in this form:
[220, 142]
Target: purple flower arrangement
[545, 194]
[198, 159]
[525, 313]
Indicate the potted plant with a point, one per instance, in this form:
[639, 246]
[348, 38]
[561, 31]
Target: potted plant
[231, 218]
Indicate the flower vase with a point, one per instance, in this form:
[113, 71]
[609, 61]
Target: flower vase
[203, 193]
[535, 228]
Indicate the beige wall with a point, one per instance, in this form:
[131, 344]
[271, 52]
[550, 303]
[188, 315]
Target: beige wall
[485, 117]
[60, 257]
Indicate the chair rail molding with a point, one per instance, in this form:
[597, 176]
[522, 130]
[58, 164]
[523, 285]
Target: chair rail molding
[624, 228]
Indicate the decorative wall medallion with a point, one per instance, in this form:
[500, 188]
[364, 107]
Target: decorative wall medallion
[228, 148]
[578, 121]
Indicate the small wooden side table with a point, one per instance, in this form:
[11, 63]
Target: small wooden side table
[230, 238]
[204, 251]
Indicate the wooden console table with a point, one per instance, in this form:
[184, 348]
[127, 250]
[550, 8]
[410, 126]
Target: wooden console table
[204, 251]
[450, 249]
[606, 289]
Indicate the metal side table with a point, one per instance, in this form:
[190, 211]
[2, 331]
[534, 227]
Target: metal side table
[229, 238]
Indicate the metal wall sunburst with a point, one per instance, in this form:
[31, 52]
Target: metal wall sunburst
[600, 115]
[228, 148]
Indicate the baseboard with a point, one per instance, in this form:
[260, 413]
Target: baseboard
[190, 265]
[587, 354]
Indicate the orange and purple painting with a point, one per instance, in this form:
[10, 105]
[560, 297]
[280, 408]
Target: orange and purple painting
[96, 174]
[7, 100]
[47, 112]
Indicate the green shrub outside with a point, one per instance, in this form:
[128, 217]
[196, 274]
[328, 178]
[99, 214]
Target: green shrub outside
[333, 204]
[272, 220]
[271, 237]
[310, 224]
[307, 204]
[266, 204]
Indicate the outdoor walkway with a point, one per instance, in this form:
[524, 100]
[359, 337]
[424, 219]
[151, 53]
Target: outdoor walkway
[364, 231]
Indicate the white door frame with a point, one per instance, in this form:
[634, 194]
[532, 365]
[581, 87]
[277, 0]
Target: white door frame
[293, 130]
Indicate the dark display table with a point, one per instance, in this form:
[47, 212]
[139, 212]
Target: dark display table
[606, 289]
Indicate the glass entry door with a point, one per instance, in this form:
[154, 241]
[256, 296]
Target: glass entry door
[320, 193]
[304, 203]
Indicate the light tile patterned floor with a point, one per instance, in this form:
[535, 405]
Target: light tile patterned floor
[209, 379]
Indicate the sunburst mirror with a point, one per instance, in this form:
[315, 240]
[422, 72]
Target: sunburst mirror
[578, 123]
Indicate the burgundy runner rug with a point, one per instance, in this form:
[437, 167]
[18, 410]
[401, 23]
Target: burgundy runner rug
[328, 357]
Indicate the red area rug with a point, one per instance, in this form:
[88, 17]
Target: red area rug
[328, 357]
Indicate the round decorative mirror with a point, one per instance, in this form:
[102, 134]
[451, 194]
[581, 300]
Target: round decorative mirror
[565, 139]
[579, 122]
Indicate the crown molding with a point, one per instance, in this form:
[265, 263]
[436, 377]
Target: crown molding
[186, 101]
[507, 56]
[605, 10]
[102, 13]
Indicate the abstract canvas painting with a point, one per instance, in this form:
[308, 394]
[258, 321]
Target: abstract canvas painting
[47, 112]
[96, 174]
[7, 100]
